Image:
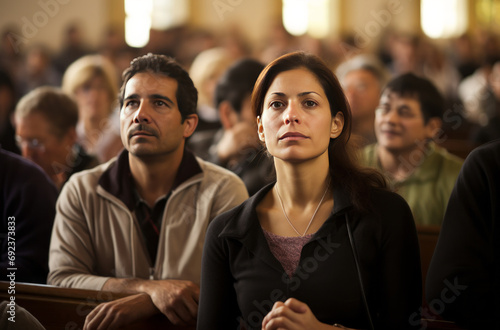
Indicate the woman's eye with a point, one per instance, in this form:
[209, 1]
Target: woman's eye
[276, 104]
[310, 103]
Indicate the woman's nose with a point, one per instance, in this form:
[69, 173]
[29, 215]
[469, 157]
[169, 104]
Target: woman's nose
[292, 114]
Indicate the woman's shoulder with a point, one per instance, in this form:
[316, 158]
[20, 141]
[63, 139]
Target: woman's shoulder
[389, 204]
[237, 221]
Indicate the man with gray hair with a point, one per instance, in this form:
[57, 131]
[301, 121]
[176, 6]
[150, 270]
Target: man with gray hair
[363, 77]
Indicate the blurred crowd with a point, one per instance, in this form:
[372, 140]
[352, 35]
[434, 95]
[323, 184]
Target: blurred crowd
[466, 70]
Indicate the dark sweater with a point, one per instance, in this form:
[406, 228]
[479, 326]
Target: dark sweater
[241, 279]
[464, 275]
[28, 199]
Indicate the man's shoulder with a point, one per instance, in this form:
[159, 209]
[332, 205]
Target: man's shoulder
[213, 172]
[451, 163]
[90, 177]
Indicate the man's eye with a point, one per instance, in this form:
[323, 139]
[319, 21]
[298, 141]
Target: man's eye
[160, 103]
[131, 103]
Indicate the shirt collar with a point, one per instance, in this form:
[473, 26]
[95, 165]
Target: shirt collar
[118, 180]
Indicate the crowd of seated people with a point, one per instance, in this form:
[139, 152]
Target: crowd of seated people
[141, 161]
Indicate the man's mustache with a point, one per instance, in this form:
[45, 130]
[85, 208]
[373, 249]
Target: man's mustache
[142, 128]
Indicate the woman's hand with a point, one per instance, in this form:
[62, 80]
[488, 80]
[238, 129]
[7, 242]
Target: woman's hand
[291, 315]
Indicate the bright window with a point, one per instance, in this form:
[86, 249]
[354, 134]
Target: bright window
[444, 18]
[308, 16]
[142, 15]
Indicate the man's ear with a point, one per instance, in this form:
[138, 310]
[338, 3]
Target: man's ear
[71, 136]
[228, 117]
[337, 125]
[433, 127]
[260, 130]
[190, 124]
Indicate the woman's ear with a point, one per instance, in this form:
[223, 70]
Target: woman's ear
[337, 125]
[260, 130]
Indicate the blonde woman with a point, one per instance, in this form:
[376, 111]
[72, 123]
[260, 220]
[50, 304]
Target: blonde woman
[92, 81]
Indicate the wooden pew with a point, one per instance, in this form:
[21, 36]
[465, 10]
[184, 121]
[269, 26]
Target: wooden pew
[429, 324]
[427, 238]
[62, 308]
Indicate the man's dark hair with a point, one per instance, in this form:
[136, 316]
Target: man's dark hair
[430, 99]
[187, 95]
[237, 83]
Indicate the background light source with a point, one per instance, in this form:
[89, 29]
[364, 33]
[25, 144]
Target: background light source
[137, 22]
[295, 16]
[444, 18]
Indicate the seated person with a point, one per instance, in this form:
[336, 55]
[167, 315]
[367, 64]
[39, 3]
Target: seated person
[236, 145]
[7, 106]
[407, 120]
[287, 258]
[137, 224]
[463, 283]
[491, 105]
[46, 134]
[92, 82]
[27, 206]
[363, 77]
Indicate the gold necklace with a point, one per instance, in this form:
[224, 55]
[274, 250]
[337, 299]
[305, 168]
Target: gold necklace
[314, 214]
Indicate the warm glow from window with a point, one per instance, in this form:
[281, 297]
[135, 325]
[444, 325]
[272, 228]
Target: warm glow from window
[444, 18]
[318, 18]
[295, 16]
[143, 15]
[137, 22]
[308, 16]
[169, 13]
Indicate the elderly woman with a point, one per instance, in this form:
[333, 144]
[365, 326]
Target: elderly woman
[324, 247]
[92, 81]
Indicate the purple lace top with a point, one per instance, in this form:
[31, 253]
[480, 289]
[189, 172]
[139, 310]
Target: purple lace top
[287, 249]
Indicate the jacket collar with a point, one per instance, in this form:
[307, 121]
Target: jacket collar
[118, 181]
[246, 222]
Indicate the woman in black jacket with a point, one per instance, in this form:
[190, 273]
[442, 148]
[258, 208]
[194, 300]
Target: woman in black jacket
[326, 246]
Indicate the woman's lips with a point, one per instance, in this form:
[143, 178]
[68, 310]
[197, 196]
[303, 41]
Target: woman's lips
[292, 136]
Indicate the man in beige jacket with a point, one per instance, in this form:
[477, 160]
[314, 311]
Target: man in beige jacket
[137, 223]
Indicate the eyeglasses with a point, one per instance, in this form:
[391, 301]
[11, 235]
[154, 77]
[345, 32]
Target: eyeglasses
[33, 144]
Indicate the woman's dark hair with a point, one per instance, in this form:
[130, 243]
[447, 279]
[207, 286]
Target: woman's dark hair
[187, 95]
[344, 169]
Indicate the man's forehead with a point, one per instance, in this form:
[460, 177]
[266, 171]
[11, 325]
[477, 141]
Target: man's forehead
[151, 84]
[33, 124]
[391, 96]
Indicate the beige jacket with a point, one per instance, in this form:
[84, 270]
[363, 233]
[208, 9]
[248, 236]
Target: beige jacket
[96, 234]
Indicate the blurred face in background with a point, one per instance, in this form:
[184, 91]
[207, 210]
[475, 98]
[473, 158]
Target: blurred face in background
[495, 80]
[399, 123]
[93, 100]
[38, 143]
[362, 90]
